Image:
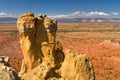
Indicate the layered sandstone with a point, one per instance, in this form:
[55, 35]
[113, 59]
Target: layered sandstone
[43, 55]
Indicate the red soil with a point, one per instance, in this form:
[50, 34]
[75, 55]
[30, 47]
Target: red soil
[104, 54]
[9, 46]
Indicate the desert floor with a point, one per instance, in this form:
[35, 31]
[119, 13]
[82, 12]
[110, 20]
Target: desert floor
[100, 41]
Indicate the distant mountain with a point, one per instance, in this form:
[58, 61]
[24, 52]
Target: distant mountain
[90, 20]
[81, 20]
[8, 19]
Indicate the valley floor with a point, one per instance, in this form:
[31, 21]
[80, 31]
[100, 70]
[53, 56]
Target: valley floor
[99, 41]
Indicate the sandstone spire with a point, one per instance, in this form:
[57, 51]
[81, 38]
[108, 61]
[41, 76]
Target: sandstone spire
[43, 55]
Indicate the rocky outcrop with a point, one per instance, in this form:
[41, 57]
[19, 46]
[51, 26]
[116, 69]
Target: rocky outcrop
[43, 55]
[76, 67]
[6, 73]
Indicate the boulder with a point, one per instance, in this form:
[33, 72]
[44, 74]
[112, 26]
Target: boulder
[77, 67]
[6, 73]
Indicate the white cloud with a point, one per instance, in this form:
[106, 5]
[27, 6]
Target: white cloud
[2, 14]
[115, 13]
[98, 14]
[59, 16]
[95, 14]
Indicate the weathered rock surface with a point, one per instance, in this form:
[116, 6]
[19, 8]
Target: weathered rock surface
[43, 55]
[76, 67]
[6, 73]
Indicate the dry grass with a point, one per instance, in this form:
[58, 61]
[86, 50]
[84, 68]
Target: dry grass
[89, 30]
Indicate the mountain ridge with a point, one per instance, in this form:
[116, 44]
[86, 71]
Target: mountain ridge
[8, 19]
[81, 20]
[90, 20]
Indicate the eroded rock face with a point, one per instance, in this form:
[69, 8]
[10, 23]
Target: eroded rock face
[43, 55]
[37, 39]
[80, 68]
[6, 73]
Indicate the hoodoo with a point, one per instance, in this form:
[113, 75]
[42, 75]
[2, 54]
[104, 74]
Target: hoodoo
[44, 58]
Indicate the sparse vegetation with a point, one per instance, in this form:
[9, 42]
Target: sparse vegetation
[99, 41]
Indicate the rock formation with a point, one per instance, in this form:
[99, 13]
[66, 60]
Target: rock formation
[6, 73]
[43, 55]
[76, 67]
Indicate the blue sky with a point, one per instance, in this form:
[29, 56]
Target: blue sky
[61, 8]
